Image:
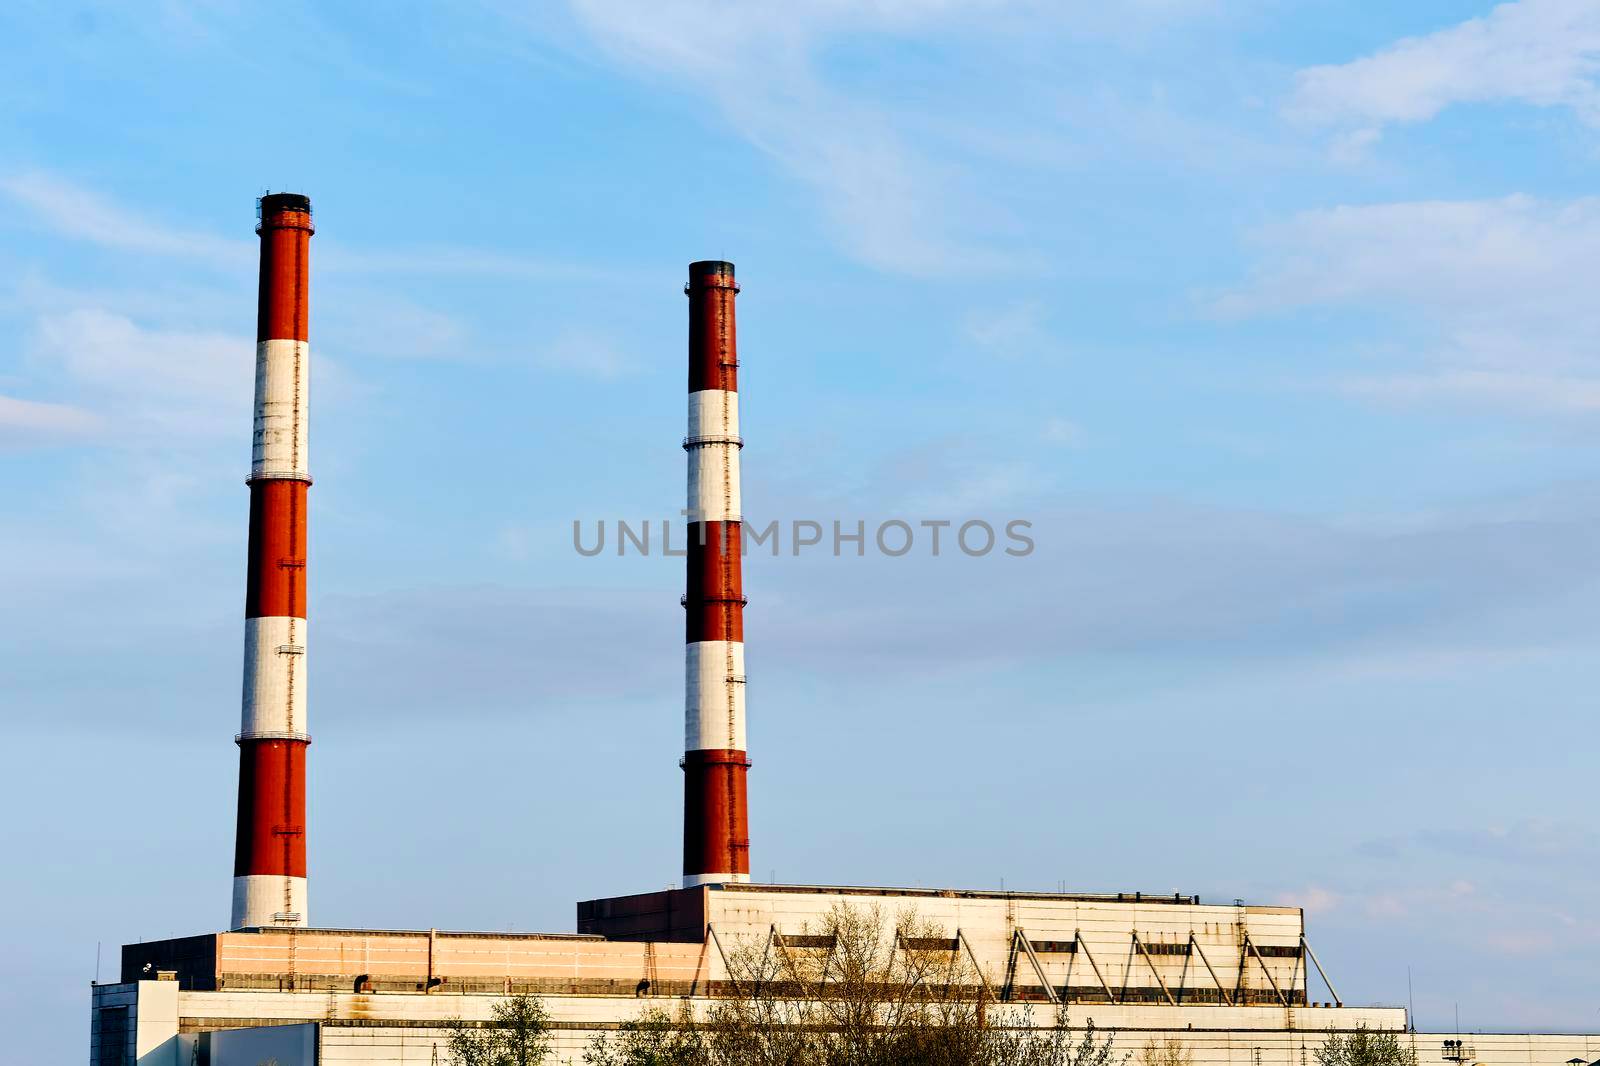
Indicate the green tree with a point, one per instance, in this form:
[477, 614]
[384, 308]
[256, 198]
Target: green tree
[518, 1035]
[1365, 1047]
[655, 1038]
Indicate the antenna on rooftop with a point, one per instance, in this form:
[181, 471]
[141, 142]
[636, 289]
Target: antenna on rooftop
[1411, 1002]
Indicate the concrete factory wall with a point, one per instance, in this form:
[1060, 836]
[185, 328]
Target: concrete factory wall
[395, 961]
[1083, 944]
[280, 1045]
[370, 1047]
[137, 1023]
[407, 1027]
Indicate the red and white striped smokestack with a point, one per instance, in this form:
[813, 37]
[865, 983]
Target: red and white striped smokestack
[716, 823]
[269, 869]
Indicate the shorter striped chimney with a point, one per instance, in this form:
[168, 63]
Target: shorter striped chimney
[269, 868]
[716, 833]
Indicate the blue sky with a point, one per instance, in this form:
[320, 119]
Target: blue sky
[1276, 319]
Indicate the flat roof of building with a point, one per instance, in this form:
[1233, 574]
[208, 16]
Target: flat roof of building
[479, 934]
[967, 893]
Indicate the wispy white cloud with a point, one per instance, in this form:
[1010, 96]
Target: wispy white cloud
[77, 212]
[1535, 393]
[680, 35]
[1445, 255]
[585, 353]
[1496, 290]
[31, 420]
[446, 261]
[1511, 846]
[1018, 331]
[1449, 896]
[145, 381]
[1313, 899]
[380, 324]
[1539, 52]
[1355, 146]
[889, 203]
[1061, 431]
[1505, 890]
[71, 210]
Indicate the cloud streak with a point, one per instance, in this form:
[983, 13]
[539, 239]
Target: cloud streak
[29, 420]
[890, 204]
[147, 382]
[1497, 291]
[70, 210]
[1540, 52]
[78, 213]
[1214, 586]
[1447, 896]
[1447, 256]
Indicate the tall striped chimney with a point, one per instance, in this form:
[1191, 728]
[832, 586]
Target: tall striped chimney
[269, 867]
[716, 824]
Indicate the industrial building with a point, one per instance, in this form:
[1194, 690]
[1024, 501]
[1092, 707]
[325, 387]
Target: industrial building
[1238, 985]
